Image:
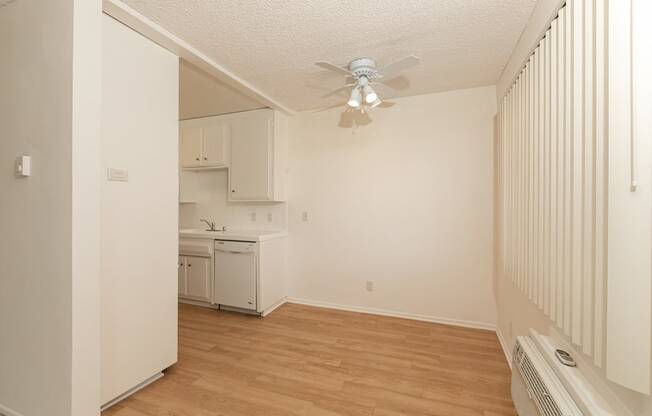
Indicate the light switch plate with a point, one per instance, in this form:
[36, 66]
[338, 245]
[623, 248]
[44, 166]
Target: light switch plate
[118, 175]
[23, 166]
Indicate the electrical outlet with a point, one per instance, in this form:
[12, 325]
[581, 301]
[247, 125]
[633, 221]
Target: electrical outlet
[304, 216]
[269, 217]
[370, 286]
[253, 216]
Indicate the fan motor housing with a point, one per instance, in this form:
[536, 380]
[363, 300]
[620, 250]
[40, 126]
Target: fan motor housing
[363, 67]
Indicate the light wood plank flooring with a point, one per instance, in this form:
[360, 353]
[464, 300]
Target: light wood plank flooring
[310, 361]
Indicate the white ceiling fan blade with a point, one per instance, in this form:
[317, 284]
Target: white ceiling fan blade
[398, 66]
[333, 67]
[337, 91]
[386, 104]
[397, 83]
[330, 107]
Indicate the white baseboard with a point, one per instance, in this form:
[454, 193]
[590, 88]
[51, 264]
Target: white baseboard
[274, 307]
[132, 391]
[5, 411]
[395, 314]
[505, 347]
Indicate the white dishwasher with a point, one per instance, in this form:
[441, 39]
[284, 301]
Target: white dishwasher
[236, 274]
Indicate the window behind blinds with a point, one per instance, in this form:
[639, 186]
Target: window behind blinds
[573, 135]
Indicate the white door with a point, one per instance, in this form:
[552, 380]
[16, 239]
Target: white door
[191, 138]
[182, 276]
[235, 274]
[214, 145]
[251, 157]
[198, 278]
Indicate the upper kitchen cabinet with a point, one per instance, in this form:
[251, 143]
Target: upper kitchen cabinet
[205, 143]
[258, 156]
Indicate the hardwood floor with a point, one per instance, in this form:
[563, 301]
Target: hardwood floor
[310, 361]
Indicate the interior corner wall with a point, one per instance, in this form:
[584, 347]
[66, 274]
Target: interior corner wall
[40, 275]
[404, 201]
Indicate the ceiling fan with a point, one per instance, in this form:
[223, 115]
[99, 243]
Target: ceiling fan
[361, 73]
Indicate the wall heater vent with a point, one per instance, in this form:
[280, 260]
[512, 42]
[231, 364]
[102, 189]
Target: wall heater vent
[536, 389]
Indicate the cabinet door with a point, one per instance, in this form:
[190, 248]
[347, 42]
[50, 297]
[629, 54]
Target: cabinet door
[182, 276]
[214, 145]
[198, 278]
[251, 158]
[191, 138]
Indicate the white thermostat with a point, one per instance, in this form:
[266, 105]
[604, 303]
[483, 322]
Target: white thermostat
[23, 166]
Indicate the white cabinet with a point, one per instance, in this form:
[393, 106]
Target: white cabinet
[204, 146]
[251, 144]
[198, 278]
[258, 156]
[195, 278]
[215, 145]
[191, 138]
[195, 269]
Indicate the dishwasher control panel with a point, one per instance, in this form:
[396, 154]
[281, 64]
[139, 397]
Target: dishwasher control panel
[235, 246]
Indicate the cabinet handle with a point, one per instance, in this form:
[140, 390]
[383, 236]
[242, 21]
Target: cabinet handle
[190, 265]
[233, 190]
[196, 158]
[205, 158]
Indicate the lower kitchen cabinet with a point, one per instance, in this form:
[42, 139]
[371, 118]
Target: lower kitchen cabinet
[195, 278]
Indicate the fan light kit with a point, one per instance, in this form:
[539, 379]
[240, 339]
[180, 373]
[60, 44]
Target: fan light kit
[362, 73]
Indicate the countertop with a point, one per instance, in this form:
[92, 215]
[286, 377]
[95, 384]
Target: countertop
[238, 235]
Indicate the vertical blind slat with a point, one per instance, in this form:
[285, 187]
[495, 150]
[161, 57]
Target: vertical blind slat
[568, 154]
[552, 271]
[577, 172]
[588, 215]
[561, 117]
[600, 181]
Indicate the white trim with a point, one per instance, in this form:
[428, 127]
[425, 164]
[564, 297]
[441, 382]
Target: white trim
[274, 307]
[395, 314]
[201, 303]
[141, 24]
[131, 391]
[5, 411]
[503, 344]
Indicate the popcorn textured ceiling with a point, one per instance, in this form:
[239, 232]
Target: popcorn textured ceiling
[273, 44]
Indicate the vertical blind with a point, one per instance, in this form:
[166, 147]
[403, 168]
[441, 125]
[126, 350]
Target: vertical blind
[557, 208]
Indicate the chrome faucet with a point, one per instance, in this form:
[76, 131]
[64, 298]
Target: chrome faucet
[211, 224]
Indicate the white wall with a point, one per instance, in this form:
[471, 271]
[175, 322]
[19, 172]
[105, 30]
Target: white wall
[139, 217]
[209, 191]
[404, 201]
[49, 109]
